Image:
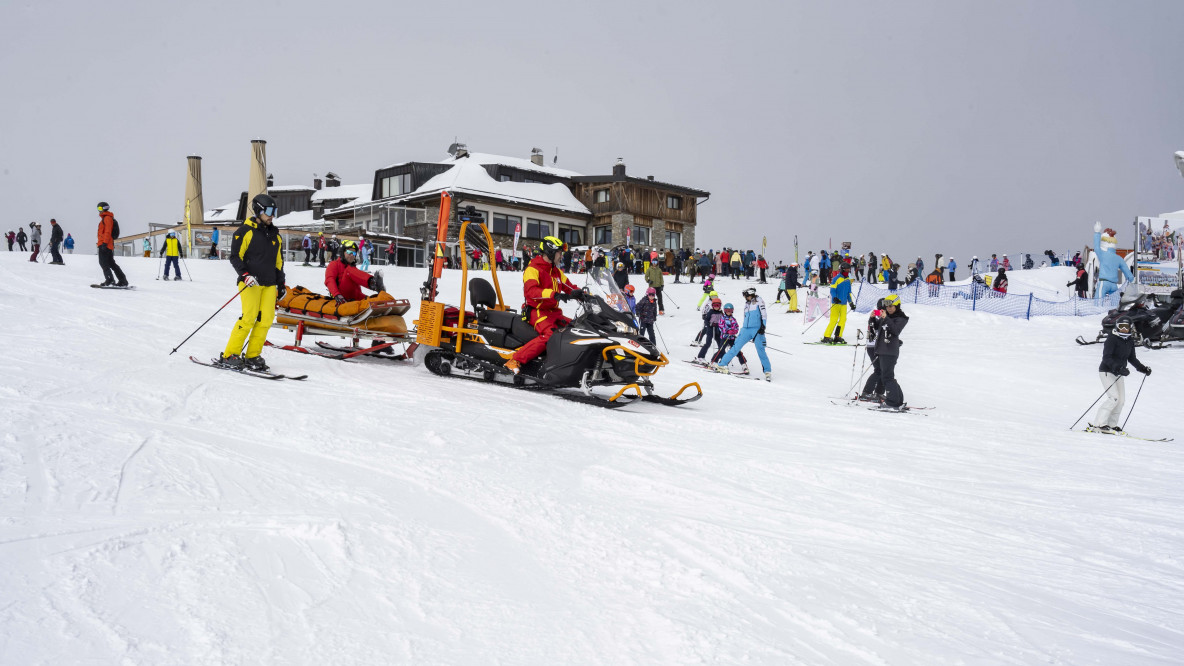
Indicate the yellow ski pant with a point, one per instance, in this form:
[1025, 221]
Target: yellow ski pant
[258, 312]
[793, 300]
[838, 317]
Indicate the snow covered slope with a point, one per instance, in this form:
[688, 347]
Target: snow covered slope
[156, 511]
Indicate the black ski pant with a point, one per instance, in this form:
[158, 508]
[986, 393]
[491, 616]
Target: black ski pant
[661, 305]
[307, 255]
[762, 276]
[10, 246]
[874, 385]
[111, 270]
[952, 278]
[54, 254]
[885, 374]
[23, 248]
[648, 330]
[712, 336]
[871, 274]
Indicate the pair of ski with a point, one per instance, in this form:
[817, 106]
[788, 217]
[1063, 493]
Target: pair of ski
[737, 375]
[832, 344]
[261, 374]
[875, 406]
[1123, 433]
[112, 286]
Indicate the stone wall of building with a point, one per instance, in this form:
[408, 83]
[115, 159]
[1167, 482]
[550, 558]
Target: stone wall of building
[621, 222]
[658, 233]
[688, 236]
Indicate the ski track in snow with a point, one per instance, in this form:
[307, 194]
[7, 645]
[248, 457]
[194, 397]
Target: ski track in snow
[156, 511]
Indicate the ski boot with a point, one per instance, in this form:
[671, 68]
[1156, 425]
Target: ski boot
[177, 279]
[234, 361]
[256, 363]
[838, 341]
[699, 362]
[826, 341]
[513, 366]
[715, 367]
[743, 369]
[769, 376]
[885, 407]
[870, 397]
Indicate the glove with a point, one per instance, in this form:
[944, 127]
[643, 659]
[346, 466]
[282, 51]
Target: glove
[1124, 372]
[1146, 370]
[562, 297]
[339, 298]
[280, 290]
[761, 330]
[1097, 227]
[851, 304]
[249, 280]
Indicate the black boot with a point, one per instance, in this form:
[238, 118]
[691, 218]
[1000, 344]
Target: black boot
[375, 283]
[233, 361]
[256, 363]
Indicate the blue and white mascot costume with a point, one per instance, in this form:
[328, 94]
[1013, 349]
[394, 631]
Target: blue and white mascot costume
[1109, 263]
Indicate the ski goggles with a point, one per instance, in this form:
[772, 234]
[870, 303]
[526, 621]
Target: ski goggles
[1123, 327]
[269, 211]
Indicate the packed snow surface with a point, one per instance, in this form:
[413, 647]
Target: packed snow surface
[154, 511]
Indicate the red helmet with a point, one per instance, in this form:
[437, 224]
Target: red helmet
[630, 288]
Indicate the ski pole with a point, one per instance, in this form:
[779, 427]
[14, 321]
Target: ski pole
[667, 297]
[1096, 402]
[660, 337]
[778, 350]
[159, 264]
[1128, 414]
[858, 335]
[208, 321]
[858, 380]
[186, 263]
[824, 315]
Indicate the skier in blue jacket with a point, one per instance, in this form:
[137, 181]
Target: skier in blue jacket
[752, 330]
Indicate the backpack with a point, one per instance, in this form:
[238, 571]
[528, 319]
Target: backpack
[114, 228]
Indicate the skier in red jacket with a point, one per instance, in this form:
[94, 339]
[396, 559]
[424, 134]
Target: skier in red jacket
[544, 286]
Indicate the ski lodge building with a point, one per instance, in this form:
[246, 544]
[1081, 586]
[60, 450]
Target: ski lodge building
[401, 205]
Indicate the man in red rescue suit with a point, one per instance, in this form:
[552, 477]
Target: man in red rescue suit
[544, 286]
[345, 280]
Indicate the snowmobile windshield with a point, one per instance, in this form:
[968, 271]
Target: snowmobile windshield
[607, 308]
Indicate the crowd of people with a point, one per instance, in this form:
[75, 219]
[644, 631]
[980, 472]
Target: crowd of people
[32, 241]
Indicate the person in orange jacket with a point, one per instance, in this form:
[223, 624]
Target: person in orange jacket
[544, 286]
[345, 280]
[106, 245]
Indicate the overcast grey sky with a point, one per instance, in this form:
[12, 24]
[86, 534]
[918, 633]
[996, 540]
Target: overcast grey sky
[906, 127]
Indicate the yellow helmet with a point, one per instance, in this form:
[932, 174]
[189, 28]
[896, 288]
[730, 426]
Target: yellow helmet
[892, 299]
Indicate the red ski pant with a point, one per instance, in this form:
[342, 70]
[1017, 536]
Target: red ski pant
[350, 283]
[545, 325]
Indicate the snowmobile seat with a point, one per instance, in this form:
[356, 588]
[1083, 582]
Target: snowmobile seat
[481, 293]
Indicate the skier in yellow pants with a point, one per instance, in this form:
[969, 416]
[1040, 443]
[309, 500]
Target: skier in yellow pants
[840, 298]
[257, 256]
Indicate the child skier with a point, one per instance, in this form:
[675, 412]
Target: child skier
[708, 289]
[753, 330]
[726, 329]
[706, 330]
[647, 313]
[1116, 353]
[711, 316]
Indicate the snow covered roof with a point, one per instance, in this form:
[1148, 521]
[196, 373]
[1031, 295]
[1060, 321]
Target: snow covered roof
[1178, 215]
[469, 176]
[349, 192]
[300, 218]
[290, 188]
[224, 213]
[516, 162]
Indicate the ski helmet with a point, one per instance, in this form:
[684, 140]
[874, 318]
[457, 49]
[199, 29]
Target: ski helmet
[750, 292]
[349, 246]
[651, 292]
[1123, 326]
[103, 207]
[262, 204]
[630, 288]
[892, 299]
[728, 307]
[716, 301]
[550, 246]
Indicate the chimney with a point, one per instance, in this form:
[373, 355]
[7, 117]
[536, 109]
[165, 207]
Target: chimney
[619, 167]
[461, 151]
[536, 156]
[316, 182]
[649, 177]
[270, 181]
[332, 180]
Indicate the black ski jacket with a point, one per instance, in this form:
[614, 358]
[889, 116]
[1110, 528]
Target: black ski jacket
[56, 235]
[1116, 353]
[887, 333]
[258, 250]
[791, 278]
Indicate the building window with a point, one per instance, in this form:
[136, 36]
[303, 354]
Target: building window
[537, 228]
[393, 186]
[600, 196]
[570, 235]
[674, 240]
[641, 235]
[604, 235]
[503, 178]
[504, 224]
[673, 202]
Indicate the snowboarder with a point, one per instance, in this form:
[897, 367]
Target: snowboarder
[172, 250]
[257, 255]
[753, 330]
[543, 286]
[345, 280]
[55, 241]
[885, 329]
[840, 298]
[1116, 353]
[106, 248]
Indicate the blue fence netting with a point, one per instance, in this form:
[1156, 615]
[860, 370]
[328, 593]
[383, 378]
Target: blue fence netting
[981, 298]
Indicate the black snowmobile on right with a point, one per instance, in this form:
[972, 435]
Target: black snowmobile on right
[1158, 320]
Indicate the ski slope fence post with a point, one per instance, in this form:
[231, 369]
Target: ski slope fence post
[1029, 315]
[973, 295]
[916, 290]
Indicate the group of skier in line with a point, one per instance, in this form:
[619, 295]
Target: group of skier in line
[56, 240]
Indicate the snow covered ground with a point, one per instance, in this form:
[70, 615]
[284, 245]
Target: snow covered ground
[153, 511]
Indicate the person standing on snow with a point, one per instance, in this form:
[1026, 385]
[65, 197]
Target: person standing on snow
[257, 255]
[728, 327]
[69, 244]
[321, 246]
[11, 238]
[824, 268]
[711, 316]
[653, 277]
[544, 286]
[306, 245]
[106, 248]
[886, 329]
[35, 240]
[1080, 284]
[1116, 353]
[21, 237]
[345, 280]
[173, 251]
[647, 314]
[620, 275]
[753, 330]
[840, 298]
[213, 244]
[365, 248]
[55, 241]
[952, 266]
